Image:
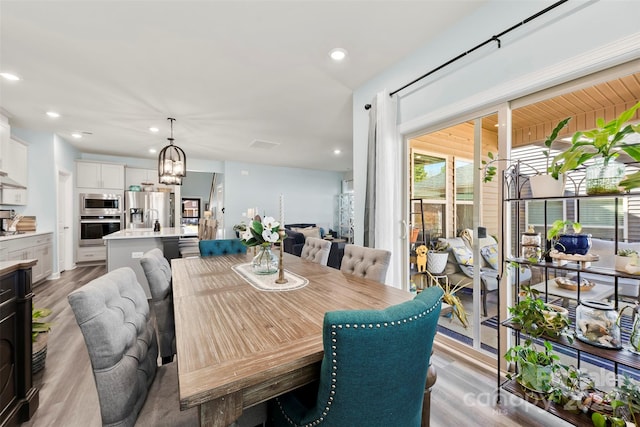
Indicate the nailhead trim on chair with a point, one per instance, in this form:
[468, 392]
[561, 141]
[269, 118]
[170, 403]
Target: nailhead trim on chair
[334, 366]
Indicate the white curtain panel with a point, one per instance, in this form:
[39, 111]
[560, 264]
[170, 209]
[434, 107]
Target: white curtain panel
[388, 185]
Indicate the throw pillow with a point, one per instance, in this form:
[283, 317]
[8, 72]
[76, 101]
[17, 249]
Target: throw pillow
[309, 232]
[463, 255]
[490, 255]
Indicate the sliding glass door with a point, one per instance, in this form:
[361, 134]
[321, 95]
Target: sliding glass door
[448, 204]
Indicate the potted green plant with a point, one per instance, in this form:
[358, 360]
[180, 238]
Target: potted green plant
[535, 367]
[603, 145]
[575, 243]
[551, 183]
[571, 388]
[625, 401]
[626, 257]
[537, 318]
[39, 337]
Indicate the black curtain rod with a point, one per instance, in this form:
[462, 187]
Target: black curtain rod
[495, 38]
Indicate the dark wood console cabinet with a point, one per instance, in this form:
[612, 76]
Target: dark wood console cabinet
[18, 396]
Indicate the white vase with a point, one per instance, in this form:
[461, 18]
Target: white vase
[547, 186]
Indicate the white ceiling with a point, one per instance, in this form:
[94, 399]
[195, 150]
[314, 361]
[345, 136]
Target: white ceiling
[230, 72]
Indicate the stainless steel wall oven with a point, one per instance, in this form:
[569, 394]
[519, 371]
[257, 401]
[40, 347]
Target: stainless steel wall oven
[100, 214]
[93, 228]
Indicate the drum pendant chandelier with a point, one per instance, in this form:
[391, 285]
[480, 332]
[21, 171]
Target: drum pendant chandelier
[172, 162]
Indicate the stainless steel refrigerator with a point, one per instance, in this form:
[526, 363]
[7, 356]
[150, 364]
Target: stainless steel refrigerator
[143, 208]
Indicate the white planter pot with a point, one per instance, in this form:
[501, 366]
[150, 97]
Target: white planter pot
[547, 186]
[437, 261]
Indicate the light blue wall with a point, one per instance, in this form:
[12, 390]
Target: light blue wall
[41, 173]
[65, 155]
[42, 179]
[309, 195]
[567, 32]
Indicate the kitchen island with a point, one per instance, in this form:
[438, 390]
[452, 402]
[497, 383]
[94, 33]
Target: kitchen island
[126, 247]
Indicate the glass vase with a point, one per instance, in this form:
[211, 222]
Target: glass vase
[265, 262]
[604, 178]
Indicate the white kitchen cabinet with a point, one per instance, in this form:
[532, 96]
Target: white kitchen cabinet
[15, 161]
[136, 176]
[100, 175]
[39, 247]
[92, 254]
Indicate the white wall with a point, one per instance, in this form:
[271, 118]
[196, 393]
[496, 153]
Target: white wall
[196, 165]
[309, 195]
[574, 40]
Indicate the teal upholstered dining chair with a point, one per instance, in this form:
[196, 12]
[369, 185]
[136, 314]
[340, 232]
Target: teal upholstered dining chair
[374, 368]
[221, 247]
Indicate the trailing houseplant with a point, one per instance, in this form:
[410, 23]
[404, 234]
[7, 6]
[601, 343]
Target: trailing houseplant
[625, 401]
[571, 388]
[536, 317]
[603, 144]
[536, 367]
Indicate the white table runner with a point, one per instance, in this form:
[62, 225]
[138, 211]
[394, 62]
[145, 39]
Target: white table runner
[267, 282]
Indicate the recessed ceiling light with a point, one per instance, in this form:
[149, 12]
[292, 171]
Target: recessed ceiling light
[153, 129]
[53, 114]
[76, 135]
[338, 54]
[153, 150]
[336, 151]
[10, 76]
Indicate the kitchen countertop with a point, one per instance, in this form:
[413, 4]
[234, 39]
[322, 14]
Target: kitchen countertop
[142, 233]
[25, 234]
[10, 266]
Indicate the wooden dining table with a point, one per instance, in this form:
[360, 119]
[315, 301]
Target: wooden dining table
[238, 346]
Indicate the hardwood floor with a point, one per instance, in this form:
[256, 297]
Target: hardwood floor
[68, 394]
[464, 394]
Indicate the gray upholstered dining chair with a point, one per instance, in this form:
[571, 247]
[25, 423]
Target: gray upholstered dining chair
[158, 272]
[316, 250]
[365, 262]
[113, 314]
[374, 369]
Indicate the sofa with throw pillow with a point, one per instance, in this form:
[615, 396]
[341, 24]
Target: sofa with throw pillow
[297, 234]
[460, 264]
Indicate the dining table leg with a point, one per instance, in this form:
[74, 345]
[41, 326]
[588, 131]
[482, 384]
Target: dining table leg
[221, 412]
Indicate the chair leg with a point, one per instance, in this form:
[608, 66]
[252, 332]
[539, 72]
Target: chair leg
[426, 400]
